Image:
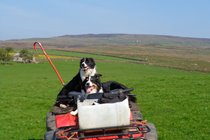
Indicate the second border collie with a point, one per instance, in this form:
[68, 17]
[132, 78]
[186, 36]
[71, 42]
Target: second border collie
[92, 84]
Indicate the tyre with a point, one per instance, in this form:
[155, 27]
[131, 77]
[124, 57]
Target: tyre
[50, 121]
[49, 135]
[152, 135]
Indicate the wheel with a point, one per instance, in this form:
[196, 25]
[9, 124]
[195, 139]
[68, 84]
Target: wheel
[49, 135]
[152, 135]
[50, 121]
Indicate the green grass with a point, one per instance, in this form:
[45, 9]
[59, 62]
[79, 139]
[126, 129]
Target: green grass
[90, 54]
[177, 102]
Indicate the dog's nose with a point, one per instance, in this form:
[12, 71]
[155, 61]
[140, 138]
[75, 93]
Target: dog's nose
[88, 84]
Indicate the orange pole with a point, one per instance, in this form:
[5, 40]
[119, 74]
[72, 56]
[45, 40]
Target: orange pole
[51, 63]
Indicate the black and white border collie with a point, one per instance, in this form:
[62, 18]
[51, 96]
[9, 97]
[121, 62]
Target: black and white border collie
[92, 84]
[87, 68]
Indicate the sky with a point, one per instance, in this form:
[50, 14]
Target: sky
[20, 19]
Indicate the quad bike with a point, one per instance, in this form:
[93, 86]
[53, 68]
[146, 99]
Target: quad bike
[97, 119]
[109, 121]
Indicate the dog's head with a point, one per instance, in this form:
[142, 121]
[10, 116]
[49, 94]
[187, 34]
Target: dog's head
[87, 64]
[92, 84]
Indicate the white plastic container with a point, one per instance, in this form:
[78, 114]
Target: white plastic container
[103, 115]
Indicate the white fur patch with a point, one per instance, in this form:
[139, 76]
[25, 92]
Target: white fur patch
[74, 113]
[89, 72]
[63, 106]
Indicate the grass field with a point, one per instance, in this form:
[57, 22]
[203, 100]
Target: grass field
[176, 101]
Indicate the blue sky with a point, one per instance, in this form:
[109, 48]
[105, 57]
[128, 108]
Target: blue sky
[47, 18]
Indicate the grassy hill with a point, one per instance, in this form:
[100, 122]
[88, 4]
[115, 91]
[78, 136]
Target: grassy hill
[115, 39]
[169, 51]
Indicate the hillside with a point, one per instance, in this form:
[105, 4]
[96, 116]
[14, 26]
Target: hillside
[113, 39]
[168, 51]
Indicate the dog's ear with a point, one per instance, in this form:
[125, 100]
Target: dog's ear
[81, 60]
[92, 60]
[98, 75]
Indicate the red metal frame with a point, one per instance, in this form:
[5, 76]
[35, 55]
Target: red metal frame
[136, 130]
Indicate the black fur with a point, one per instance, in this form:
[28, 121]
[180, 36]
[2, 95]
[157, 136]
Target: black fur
[76, 83]
[113, 85]
[73, 85]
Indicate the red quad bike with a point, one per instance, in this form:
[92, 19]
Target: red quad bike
[100, 116]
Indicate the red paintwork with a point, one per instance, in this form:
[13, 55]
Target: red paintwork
[64, 120]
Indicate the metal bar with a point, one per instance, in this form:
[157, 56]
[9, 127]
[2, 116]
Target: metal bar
[49, 60]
